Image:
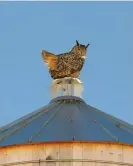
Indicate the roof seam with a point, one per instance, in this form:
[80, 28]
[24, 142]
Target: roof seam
[46, 122]
[123, 125]
[21, 125]
[114, 118]
[105, 129]
[4, 128]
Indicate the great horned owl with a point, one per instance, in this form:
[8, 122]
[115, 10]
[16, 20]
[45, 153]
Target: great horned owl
[66, 64]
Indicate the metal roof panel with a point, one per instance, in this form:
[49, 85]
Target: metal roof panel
[66, 119]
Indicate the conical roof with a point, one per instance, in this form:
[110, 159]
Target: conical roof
[66, 119]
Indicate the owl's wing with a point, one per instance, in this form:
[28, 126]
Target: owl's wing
[49, 59]
[74, 65]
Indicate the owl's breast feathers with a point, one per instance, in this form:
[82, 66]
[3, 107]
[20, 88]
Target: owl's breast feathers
[63, 65]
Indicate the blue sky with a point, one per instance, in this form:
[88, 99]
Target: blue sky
[28, 27]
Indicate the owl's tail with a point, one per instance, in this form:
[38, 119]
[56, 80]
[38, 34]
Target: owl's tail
[49, 59]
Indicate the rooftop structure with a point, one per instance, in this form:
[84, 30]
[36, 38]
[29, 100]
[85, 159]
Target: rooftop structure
[66, 119]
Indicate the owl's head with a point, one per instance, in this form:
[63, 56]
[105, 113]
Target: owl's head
[80, 49]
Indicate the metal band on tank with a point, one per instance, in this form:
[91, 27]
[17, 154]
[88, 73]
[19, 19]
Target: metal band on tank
[74, 98]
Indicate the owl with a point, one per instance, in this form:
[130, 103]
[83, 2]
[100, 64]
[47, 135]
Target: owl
[66, 64]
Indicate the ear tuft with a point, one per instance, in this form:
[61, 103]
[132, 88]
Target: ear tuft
[87, 45]
[77, 43]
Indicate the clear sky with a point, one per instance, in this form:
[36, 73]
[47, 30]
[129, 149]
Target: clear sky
[28, 27]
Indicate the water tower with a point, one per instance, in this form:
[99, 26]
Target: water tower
[67, 132]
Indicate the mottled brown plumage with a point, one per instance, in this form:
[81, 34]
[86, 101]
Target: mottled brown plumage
[66, 64]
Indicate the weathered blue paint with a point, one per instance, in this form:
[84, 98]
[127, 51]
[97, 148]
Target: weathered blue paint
[66, 119]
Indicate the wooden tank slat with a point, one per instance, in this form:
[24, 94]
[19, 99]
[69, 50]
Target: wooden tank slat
[67, 154]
